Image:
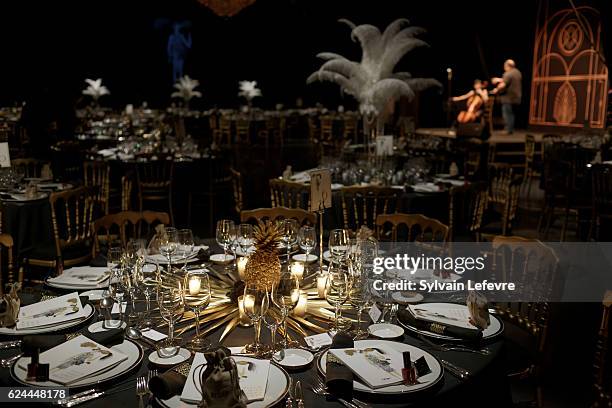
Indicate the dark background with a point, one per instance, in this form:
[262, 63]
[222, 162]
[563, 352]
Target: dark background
[54, 46]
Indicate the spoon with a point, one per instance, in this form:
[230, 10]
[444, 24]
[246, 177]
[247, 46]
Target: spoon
[106, 303]
[135, 334]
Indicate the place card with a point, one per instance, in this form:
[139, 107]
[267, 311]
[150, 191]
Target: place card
[374, 313]
[51, 312]
[384, 145]
[5, 156]
[377, 367]
[449, 316]
[320, 190]
[318, 340]
[154, 335]
[82, 275]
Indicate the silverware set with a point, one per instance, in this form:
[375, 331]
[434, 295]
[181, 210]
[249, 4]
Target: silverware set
[454, 347]
[319, 388]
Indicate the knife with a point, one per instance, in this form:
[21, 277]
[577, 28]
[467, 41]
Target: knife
[76, 399]
[299, 395]
[289, 401]
[457, 371]
[9, 344]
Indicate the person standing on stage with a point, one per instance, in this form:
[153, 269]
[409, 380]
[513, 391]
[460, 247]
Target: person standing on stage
[509, 87]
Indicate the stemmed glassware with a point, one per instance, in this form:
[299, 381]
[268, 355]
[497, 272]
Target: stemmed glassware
[225, 235]
[245, 238]
[359, 298]
[255, 304]
[285, 295]
[185, 245]
[168, 245]
[336, 291]
[117, 289]
[113, 258]
[171, 302]
[307, 239]
[338, 244]
[289, 230]
[197, 297]
[273, 319]
[148, 280]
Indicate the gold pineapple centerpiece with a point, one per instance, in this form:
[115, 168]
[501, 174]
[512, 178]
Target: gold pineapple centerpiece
[263, 266]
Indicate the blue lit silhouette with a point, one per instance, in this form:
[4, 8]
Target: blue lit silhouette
[179, 45]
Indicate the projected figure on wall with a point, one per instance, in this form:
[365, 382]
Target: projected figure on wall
[179, 45]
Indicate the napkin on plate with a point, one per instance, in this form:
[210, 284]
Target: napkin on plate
[106, 338]
[41, 342]
[338, 377]
[167, 385]
[406, 317]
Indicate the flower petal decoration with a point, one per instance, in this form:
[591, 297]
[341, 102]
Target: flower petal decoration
[185, 89]
[95, 89]
[248, 90]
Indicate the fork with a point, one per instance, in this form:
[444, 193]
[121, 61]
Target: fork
[142, 389]
[454, 347]
[320, 388]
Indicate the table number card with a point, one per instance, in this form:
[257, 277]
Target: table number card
[5, 156]
[320, 190]
[384, 145]
[374, 313]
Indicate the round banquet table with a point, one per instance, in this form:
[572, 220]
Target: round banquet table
[28, 222]
[487, 386]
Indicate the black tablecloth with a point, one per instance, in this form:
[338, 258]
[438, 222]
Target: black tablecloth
[28, 222]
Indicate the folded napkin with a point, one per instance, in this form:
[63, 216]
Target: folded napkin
[106, 338]
[99, 261]
[463, 333]
[167, 385]
[45, 342]
[338, 377]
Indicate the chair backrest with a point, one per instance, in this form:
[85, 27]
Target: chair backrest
[125, 225]
[602, 387]
[96, 175]
[126, 193]
[31, 167]
[279, 213]
[532, 266]
[410, 228]
[289, 194]
[72, 216]
[154, 175]
[237, 189]
[361, 205]
[466, 207]
[504, 189]
[6, 246]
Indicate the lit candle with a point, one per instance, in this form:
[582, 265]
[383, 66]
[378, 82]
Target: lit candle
[242, 316]
[194, 285]
[302, 306]
[297, 270]
[242, 261]
[321, 282]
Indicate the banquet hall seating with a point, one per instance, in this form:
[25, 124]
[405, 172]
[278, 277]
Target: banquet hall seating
[279, 213]
[96, 175]
[528, 166]
[502, 201]
[602, 198]
[29, 167]
[222, 133]
[119, 228]
[237, 189]
[72, 216]
[601, 387]
[466, 207]
[154, 181]
[243, 131]
[533, 267]
[361, 205]
[6, 262]
[410, 228]
[67, 160]
[350, 128]
[289, 194]
[274, 131]
[126, 193]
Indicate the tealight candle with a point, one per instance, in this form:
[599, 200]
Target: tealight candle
[194, 285]
[297, 270]
[302, 306]
[242, 261]
[242, 316]
[321, 282]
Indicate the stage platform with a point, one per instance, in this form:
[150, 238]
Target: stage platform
[497, 137]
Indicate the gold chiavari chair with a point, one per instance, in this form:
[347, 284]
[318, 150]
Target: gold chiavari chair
[222, 134]
[410, 228]
[279, 213]
[361, 205]
[6, 246]
[466, 208]
[350, 128]
[313, 130]
[602, 197]
[289, 194]
[97, 177]
[154, 179]
[237, 189]
[601, 386]
[243, 131]
[533, 267]
[31, 167]
[503, 197]
[72, 216]
[126, 193]
[528, 170]
[123, 226]
[274, 131]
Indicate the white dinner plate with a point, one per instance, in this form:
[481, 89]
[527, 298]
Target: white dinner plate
[132, 350]
[426, 381]
[404, 298]
[61, 326]
[385, 330]
[98, 327]
[221, 258]
[495, 328]
[276, 389]
[302, 258]
[84, 286]
[20, 197]
[294, 358]
[161, 259]
[183, 355]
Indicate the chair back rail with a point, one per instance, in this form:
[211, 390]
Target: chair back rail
[279, 213]
[126, 225]
[361, 205]
[97, 177]
[289, 194]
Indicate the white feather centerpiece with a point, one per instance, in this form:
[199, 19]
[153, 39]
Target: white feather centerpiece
[248, 90]
[372, 81]
[95, 89]
[185, 89]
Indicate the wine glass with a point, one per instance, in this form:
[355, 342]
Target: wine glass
[289, 230]
[148, 280]
[225, 234]
[197, 297]
[245, 238]
[336, 291]
[168, 244]
[171, 302]
[273, 319]
[338, 244]
[285, 295]
[359, 298]
[117, 289]
[255, 303]
[307, 239]
[113, 258]
[185, 244]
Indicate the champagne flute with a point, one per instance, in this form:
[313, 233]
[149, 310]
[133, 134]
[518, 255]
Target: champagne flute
[338, 244]
[285, 295]
[148, 281]
[185, 244]
[171, 302]
[359, 298]
[336, 292]
[255, 303]
[197, 297]
[224, 234]
[168, 244]
[117, 289]
[289, 230]
[245, 238]
[307, 239]
[273, 319]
